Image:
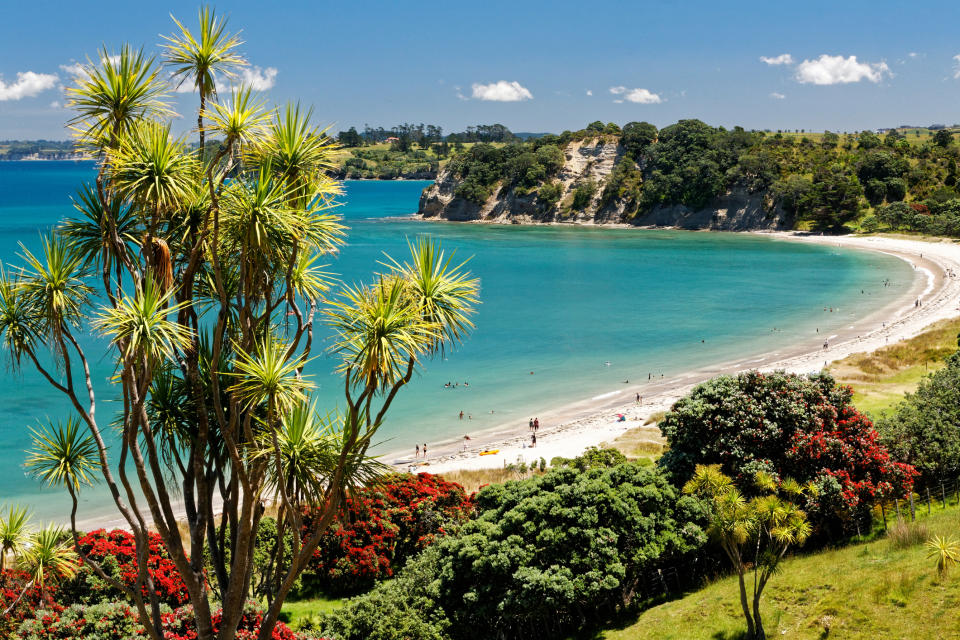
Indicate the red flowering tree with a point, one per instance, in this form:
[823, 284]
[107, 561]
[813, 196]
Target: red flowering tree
[380, 527]
[115, 552]
[12, 584]
[802, 427]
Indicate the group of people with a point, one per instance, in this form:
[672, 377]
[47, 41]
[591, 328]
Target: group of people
[454, 385]
[419, 451]
[534, 425]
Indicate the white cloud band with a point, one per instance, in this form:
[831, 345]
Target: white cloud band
[27, 85]
[839, 70]
[639, 96]
[783, 58]
[501, 91]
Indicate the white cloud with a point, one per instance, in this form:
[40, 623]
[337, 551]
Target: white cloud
[589, 92]
[27, 85]
[839, 70]
[258, 79]
[783, 58]
[501, 91]
[913, 54]
[956, 66]
[777, 96]
[639, 96]
[77, 69]
[55, 104]
[618, 101]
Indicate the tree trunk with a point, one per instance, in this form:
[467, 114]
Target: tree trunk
[751, 629]
[758, 633]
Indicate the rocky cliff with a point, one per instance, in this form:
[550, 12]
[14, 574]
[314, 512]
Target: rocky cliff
[593, 161]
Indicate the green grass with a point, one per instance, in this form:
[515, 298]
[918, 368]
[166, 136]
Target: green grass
[301, 610]
[881, 378]
[870, 591]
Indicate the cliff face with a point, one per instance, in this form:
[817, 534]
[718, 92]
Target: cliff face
[592, 160]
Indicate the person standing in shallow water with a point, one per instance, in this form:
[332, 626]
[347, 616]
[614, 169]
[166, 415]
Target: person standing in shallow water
[417, 454]
[424, 449]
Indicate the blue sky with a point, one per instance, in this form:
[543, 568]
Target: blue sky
[530, 65]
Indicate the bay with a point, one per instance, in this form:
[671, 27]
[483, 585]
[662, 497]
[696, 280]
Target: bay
[582, 308]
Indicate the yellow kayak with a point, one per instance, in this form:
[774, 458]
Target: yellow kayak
[490, 452]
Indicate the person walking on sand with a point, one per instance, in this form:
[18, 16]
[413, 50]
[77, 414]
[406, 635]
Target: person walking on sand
[638, 398]
[461, 414]
[531, 424]
[536, 424]
[424, 450]
[533, 440]
[417, 454]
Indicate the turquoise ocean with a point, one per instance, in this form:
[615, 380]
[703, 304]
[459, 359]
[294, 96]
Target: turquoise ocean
[562, 302]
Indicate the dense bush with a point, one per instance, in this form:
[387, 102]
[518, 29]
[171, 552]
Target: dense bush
[115, 552]
[802, 427]
[924, 429]
[401, 609]
[12, 585]
[380, 527]
[559, 551]
[543, 557]
[118, 621]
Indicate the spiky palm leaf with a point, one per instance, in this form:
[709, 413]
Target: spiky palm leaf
[15, 533]
[51, 557]
[443, 294]
[945, 550]
[301, 154]
[153, 168]
[308, 278]
[199, 58]
[112, 94]
[378, 332]
[140, 324]
[20, 324]
[267, 376]
[54, 284]
[63, 455]
[242, 119]
[93, 234]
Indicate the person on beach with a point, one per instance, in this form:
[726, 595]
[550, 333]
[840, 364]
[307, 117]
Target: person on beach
[424, 449]
[536, 424]
[533, 440]
[461, 415]
[531, 424]
[638, 398]
[417, 454]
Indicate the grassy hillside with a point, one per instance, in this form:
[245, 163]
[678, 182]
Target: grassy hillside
[883, 589]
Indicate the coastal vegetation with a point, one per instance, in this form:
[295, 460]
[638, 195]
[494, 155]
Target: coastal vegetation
[203, 274]
[824, 182]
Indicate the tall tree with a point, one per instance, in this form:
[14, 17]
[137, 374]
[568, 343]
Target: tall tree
[205, 275]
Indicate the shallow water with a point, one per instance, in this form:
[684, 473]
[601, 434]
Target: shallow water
[583, 308]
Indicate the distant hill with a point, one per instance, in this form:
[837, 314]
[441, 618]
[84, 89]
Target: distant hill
[527, 135]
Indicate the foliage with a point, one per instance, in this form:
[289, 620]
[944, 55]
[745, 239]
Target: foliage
[592, 458]
[922, 429]
[200, 265]
[802, 427]
[559, 551]
[115, 552]
[755, 534]
[118, 621]
[582, 195]
[380, 527]
[20, 599]
[946, 551]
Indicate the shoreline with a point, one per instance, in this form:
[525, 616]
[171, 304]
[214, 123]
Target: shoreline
[593, 421]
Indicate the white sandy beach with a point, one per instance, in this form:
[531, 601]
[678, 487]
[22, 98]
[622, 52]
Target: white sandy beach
[569, 430]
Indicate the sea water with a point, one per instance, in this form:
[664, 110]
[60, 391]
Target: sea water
[582, 308]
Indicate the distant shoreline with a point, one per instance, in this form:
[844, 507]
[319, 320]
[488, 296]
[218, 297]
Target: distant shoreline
[570, 429]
